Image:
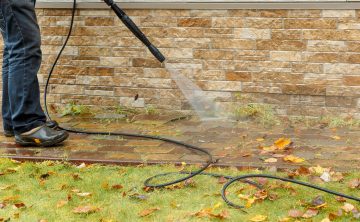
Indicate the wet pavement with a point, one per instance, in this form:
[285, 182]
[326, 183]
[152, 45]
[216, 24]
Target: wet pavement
[232, 143]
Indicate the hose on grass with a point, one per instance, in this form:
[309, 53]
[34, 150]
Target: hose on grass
[210, 160]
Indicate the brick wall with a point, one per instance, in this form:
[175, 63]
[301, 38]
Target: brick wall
[305, 62]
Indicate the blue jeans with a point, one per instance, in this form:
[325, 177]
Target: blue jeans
[21, 109]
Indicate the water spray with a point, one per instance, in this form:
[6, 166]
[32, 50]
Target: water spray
[210, 160]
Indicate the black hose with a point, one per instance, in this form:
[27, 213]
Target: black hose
[209, 161]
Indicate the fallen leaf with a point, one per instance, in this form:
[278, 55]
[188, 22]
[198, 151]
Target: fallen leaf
[222, 180]
[310, 213]
[348, 207]
[303, 171]
[337, 177]
[61, 203]
[318, 170]
[326, 177]
[83, 194]
[325, 220]
[282, 143]
[2, 205]
[285, 219]
[318, 202]
[271, 160]
[295, 213]
[7, 187]
[117, 187]
[83, 165]
[355, 183]
[149, 211]
[85, 209]
[293, 159]
[260, 139]
[19, 205]
[340, 199]
[336, 137]
[261, 194]
[43, 220]
[258, 218]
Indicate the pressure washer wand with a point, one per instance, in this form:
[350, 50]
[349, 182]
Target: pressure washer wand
[135, 30]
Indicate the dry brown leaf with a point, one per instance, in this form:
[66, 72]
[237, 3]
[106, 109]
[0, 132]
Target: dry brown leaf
[61, 203]
[259, 218]
[149, 211]
[355, 183]
[85, 209]
[282, 143]
[293, 159]
[348, 207]
[295, 213]
[318, 202]
[310, 213]
[117, 187]
[271, 160]
[222, 180]
[19, 205]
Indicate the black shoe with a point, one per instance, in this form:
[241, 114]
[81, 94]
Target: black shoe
[51, 124]
[44, 137]
[8, 133]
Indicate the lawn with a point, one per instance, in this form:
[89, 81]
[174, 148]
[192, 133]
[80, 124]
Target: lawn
[54, 191]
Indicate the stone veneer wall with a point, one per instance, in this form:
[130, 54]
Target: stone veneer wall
[305, 62]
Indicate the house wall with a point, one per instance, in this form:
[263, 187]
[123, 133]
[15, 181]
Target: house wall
[303, 61]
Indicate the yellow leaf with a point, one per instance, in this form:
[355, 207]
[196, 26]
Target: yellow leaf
[282, 143]
[285, 219]
[271, 160]
[217, 206]
[147, 212]
[326, 220]
[293, 159]
[260, 139]
[269, 148]
[336, 137]
[250, 202]
[258, 218]
[61, 203]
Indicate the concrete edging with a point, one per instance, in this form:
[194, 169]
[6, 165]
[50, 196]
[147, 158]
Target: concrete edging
[210, 5]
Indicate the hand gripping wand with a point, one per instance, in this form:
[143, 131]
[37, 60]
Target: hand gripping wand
[135, 30]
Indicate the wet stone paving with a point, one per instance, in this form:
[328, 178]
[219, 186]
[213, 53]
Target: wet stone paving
[239, 144]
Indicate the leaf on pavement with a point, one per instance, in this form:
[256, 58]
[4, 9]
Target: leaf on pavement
[282, 143]
[271, 160]
[148, 212]
[293, 159]
[336, 137]
[85, 209]
[259, 218]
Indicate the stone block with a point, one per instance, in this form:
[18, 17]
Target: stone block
[285, 56]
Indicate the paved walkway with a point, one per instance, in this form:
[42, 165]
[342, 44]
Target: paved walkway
[232, 143]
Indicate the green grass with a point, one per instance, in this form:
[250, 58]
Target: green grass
[262, 113]
[75, 110]
[41, 196]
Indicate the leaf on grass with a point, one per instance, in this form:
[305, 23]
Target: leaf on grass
[318, 202]
[148, 212]
[83, 165]
[271, 160]
[2, 205]
[261, 194]
[355, 183]
[295, 213]
[337, 177]
[282, 143]
[61, 203]
[340, 199]
[43, 220]
[285, 219]
[325, 220]
[83, 194]
[318, 170]
[85, 209]
[117, 187]
[303, 171]
[7, 187]
[19, 205]
[222, 180]
[137, 196]
[293, 159]
[348, 207]
[258, 218]
[310, 213]
[326, 177]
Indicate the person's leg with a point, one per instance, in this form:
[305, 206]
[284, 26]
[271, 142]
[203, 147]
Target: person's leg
[23, 41]
[6, 113]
